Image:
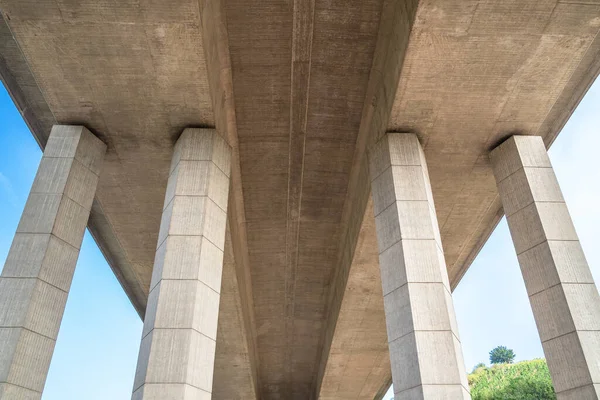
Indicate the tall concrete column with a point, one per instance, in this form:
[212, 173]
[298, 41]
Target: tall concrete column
[177, 352]
[39, 267]
[425, 350]
[561, 290]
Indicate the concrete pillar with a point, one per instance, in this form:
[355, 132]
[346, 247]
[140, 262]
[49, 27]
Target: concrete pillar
[425, 350]
[177, 352]
[39, 267]
[564, 299]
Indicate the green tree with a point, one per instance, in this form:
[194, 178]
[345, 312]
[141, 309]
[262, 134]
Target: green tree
[502, 355]
[527, 380]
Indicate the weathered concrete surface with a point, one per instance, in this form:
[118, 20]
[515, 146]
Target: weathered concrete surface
[425, 349]
[216, 47]
[37, 275]
[138, 72]
[359, 360]
[233, 361]
[178, 346]
[393, 38]
[561, 289]
[290, 288]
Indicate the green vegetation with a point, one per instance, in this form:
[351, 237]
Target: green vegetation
[480, 365]
[502, 355]
[527, 380]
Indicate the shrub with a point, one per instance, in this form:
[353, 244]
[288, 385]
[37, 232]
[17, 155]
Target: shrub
[476, 367]
[527, 380]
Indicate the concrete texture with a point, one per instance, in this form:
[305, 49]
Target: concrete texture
[299, 90]
[37, 275]
[425, 352]
[177, 352]
[359, 362]
[233, 369]
[563, 296]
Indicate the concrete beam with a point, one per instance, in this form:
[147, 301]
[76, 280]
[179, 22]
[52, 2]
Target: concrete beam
[232, 378]
[394, 32]
[177, 352]
[358, 365]
[425, 350]
[302, 33]
[561, 290]
[37, 275]
[218, 64]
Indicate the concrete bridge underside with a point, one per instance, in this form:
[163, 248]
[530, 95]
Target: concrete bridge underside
[300, 90]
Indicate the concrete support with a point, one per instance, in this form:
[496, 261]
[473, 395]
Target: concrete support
[177, 352]
[564, 299]
[425, 350]
[39, 267]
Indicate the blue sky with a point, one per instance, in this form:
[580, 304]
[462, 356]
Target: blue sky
[97, 346]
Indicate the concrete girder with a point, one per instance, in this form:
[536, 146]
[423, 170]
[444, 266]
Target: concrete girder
[218, 63]
[393, 37]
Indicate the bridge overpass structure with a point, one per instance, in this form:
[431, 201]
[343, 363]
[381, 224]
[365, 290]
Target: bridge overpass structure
[289, 190]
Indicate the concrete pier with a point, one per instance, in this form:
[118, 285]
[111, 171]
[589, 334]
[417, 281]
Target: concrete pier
[425, 349]
[37, 275]
[563, 296]
[177, 351]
